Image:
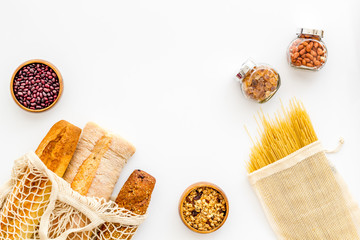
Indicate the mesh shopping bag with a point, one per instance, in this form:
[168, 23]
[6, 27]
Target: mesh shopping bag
[302, 194]
[37, 204]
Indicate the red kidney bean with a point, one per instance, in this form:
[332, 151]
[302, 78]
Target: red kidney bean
[36, 86]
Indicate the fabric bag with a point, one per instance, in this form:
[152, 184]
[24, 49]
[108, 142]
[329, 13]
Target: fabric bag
[303, 195]
[305, 198]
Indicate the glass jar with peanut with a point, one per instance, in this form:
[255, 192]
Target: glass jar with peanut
[259, 82]
[308, 51]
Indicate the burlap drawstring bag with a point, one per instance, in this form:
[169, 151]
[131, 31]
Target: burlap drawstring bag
[61, 213]
[303, 195]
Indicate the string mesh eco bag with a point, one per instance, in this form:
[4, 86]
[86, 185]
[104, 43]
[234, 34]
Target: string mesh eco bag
[302, 194]
[37, 204]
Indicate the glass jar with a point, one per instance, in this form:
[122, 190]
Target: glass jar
[308, 51]
[259, 82]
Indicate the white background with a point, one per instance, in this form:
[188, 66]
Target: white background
[161, 74]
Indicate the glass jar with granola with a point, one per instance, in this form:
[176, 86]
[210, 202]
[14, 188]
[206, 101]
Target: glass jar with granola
[308, 51]
[259, 82]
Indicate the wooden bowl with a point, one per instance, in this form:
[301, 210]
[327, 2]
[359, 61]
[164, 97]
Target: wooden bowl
[57, 72]
[187, 192]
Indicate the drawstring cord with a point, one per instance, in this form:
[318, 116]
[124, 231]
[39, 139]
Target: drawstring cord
[338, 148]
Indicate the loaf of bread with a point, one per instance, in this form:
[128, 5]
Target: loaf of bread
[98, 160]
[58, 147]
[136, 193]
[27, 201]
[134, 196]
[95, 167]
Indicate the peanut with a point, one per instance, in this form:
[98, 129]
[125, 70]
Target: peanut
[311, 44]
[308, 55]
[320, 51]
[308, 48]
[313, 53]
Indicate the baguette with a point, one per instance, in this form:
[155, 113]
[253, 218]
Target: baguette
[23, 209]
[134, 196]
[95, 167]
[58, 146]
[98, 160]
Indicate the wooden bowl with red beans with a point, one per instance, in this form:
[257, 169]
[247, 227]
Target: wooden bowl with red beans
[36, 85]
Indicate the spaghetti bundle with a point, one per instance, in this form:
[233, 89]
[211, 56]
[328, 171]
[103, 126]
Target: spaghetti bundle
[304, 197]
[282, 136]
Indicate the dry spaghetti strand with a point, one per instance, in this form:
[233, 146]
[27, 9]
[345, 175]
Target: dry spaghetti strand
[281, 136]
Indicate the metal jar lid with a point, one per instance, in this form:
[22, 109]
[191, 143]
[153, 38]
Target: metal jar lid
[245, 68]
[308, 31]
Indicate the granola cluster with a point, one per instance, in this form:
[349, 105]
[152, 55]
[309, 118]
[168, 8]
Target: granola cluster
[204, 208]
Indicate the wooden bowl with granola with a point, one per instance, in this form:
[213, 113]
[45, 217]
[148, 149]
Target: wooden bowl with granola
[203, 207]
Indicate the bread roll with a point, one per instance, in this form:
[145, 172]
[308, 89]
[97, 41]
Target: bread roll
[98, 160]
[27, 202]
[134, 196]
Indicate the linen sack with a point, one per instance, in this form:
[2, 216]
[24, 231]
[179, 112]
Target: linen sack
[57, 212]
[305, 198]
